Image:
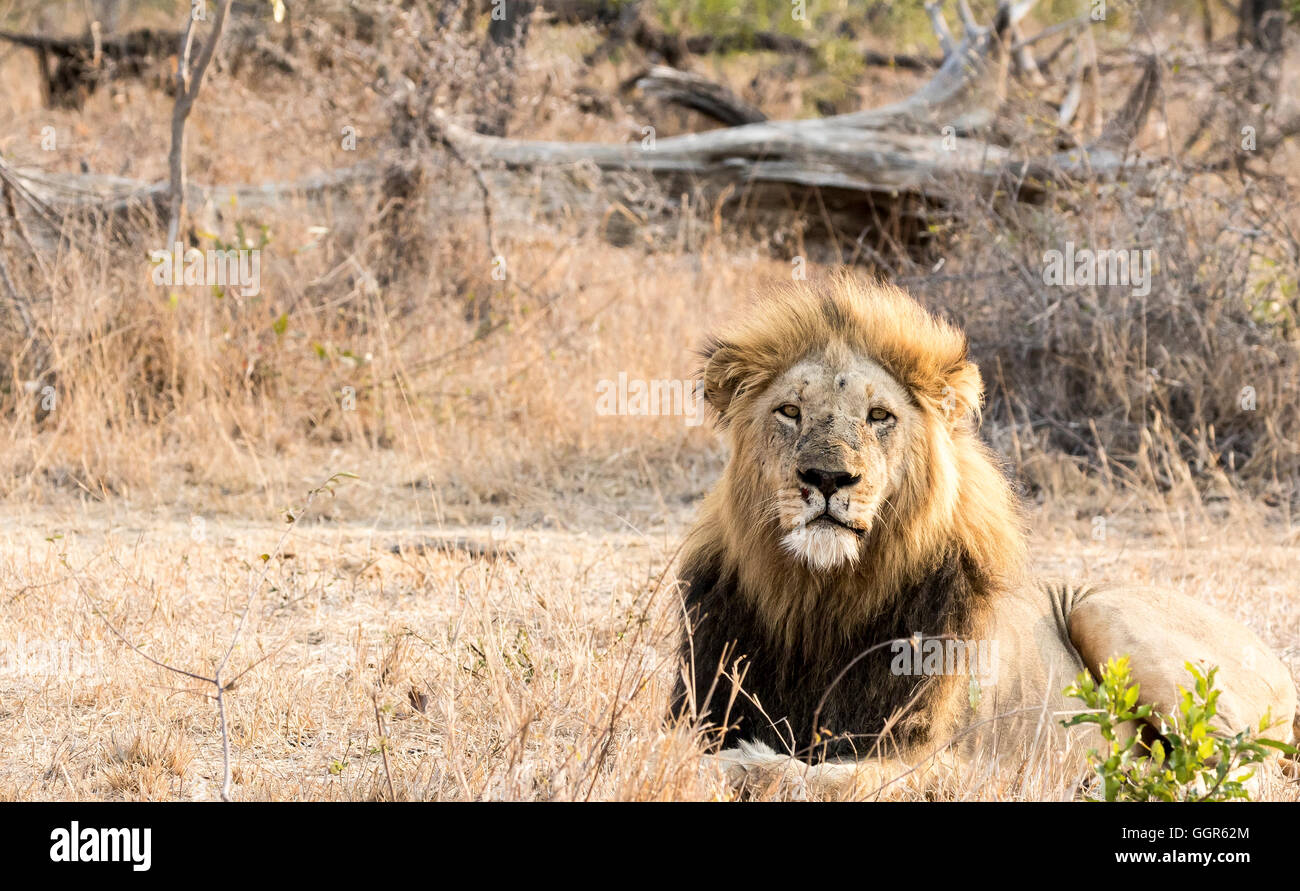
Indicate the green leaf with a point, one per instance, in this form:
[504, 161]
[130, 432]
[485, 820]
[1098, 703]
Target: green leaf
[1157, 752]
[1176, 767]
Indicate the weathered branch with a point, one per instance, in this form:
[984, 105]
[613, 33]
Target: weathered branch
[1024, 60]
[48, 198]
[709, 98]
[187, 90]
[969, 26]
[1122, 129]
[797, 153]
[965, 93]
[946, 42]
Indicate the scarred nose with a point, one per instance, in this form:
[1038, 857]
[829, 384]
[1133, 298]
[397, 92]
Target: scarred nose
[828, 482]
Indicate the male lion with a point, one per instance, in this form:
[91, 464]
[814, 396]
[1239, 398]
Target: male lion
[859, 510]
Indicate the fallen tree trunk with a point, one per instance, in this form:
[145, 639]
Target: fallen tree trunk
[73, 68]
[786, 152]
[895, 161]
[37, 203]
[772, 151]
[913, 146]
[909, 155]
[713, 100]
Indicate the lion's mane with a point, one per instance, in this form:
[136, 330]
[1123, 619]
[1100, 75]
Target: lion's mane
[811, 649]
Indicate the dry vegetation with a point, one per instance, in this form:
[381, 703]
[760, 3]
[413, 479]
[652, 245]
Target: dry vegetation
[186, 421]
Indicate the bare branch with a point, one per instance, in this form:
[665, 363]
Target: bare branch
[714, 100]
[1024, 59]
[187, 90]
[946, 42]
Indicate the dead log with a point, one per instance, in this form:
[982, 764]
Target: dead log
[73, 68]
[894, 161]
[789, 152]
[798, 153]
[711, 99]
[37, 204]
[923, 149]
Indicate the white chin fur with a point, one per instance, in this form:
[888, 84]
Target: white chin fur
[822, 546]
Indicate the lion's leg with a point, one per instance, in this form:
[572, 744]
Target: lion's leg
[756, 769]
[1162, 630]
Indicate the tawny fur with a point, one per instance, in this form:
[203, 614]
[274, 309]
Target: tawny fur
[858, 507]
[954, 493]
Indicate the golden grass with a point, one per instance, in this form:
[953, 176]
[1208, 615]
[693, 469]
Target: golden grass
[541, 675]
[185, 423]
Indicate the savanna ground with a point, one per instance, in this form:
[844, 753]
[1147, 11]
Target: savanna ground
[531, 657]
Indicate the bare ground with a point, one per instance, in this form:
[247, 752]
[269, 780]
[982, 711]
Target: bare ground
[516, 664]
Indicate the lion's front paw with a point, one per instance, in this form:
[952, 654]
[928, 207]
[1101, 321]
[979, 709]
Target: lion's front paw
[754, 770]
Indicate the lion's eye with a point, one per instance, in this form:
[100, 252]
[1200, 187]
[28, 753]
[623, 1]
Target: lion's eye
[879, 414]
[790, 410]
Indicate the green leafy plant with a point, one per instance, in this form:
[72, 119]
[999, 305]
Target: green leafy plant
[1192, 760]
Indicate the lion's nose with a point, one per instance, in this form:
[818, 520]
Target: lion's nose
[828, 482]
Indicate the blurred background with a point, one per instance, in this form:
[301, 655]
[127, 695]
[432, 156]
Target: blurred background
[444, 318]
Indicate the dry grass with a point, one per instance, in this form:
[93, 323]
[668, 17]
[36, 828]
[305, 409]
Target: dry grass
[186, 422]
[538, 676]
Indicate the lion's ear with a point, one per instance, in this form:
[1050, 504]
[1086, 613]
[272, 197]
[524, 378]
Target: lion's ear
[963, 391]
[724, 372]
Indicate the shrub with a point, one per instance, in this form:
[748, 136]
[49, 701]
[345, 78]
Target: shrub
[1192, 760]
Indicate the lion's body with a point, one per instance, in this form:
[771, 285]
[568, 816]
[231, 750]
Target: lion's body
[862, 533]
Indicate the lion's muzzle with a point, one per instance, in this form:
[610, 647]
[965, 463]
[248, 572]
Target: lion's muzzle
[828, 482]
[827, 528]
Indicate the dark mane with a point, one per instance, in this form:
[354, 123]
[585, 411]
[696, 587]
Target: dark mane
[783, 691]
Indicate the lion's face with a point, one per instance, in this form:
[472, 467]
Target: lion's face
[855, 463]
[834, 432]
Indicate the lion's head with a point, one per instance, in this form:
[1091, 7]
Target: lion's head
[855, 465]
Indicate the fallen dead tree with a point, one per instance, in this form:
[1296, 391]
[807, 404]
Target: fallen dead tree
[35, 204]
[893, 162]
[910, 154]
[73, 68]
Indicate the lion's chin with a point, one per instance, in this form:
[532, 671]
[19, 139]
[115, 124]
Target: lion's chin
[823, 546]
